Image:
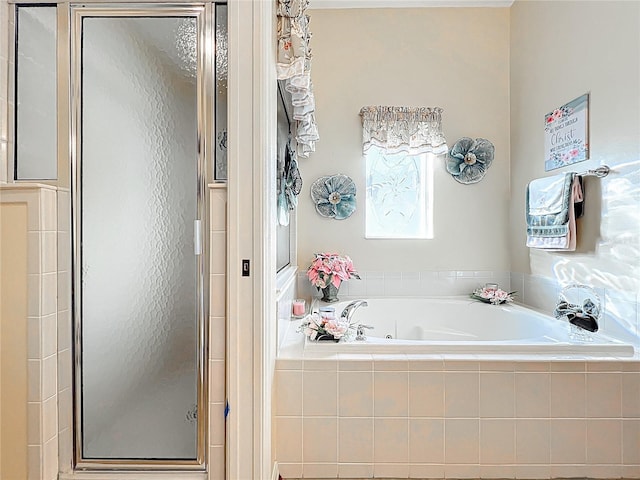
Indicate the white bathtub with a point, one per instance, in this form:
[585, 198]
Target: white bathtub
[461, 325]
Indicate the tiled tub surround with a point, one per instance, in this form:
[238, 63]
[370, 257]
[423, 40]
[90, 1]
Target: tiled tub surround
[412, 416]
[452, 416]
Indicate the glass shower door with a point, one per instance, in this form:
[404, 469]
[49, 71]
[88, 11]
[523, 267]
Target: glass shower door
[140, 286]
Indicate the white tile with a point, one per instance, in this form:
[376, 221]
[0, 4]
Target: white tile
[390, 394]
[532, 472]
[288, 439]
[320, 439]
[64, 291]
[217, 336]
[288, 392]
[49, 376]
[461, 392]
[218, 253]
[355, 470]
[48, 213]
[461, 445]
[49, 418]
[49, 332]
[65, 451]
[532, 442]
[571, 471]
[355, 440]
[216, 463]
[631, 442]
[426, 394]
[604, 471]
[33, 295]
[426, 440]
[64, 330]
[426, 470]
[217, 300]
[65, 369]
[497, 471]
[604, 395]
[320, 470]
[630, 471]
[568, 395]
[355, 394]
[461, 471]
[497, 395]
[34, 462]
[532, 395]
[567, 441]
[218, 209]
[49, 249]
[390, 470]
[497, 441]
[64, 252]
[320, 393]
[49, 293]
[65, 410]
[34, 351]
[604, 441]
[631, 394]
[34, 420]
[216, 424]
[34, 373]
[64, 211]
[391, 440]
[34, 258]
[216, 381]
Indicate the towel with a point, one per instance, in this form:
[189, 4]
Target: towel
[553, 204]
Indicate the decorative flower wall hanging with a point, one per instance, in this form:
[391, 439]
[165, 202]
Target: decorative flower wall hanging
[334, 196]
[469, 159]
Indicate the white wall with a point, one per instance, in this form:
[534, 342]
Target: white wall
[559, 51]
[456, 58]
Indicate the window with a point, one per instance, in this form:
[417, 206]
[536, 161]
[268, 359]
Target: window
[399, 195]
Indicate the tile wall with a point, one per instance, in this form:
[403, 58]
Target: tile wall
[42, 347]
[365, 417]
[217, 330]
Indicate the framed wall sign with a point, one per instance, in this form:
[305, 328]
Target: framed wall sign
[566, 134]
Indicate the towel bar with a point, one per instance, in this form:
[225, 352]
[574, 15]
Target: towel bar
[600, 172]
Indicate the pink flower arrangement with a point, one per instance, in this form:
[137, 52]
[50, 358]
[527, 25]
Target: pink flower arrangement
[492, 294]
[316, 327]
[330, 269]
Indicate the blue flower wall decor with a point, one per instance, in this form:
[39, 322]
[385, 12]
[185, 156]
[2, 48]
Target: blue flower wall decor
[334, 196]
[469, 159]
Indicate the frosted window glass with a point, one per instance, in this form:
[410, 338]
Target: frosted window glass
[139, 159]
[399, 198]
[222, 74]
[36, 121]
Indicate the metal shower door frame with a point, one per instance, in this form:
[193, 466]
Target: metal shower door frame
[205, 21]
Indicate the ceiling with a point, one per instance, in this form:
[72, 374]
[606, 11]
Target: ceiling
[320, 4]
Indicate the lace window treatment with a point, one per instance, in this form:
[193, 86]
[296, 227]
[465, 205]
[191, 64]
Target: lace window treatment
[294, 67]
[411, 130]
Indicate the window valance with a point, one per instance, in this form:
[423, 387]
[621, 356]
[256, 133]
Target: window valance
[294, 67]
[412, 130]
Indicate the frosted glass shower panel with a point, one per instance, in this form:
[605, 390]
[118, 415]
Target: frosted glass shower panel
[139, 201]
[222, 74]
[35, 93]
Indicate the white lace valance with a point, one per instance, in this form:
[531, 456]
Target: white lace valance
[411, 130]
[294, 67]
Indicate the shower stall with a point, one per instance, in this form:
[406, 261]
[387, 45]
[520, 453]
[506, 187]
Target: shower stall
[136, 129]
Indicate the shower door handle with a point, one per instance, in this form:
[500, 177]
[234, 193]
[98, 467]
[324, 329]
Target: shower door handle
[197, 237]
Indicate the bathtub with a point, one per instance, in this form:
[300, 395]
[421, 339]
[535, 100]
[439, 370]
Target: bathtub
[462, 326]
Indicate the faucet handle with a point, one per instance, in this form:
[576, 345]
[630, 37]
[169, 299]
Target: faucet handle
[360, 336]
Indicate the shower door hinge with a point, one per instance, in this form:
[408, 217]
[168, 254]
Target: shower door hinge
[197, 237]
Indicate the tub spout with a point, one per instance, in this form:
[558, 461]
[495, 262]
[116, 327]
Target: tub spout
[350, 309]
